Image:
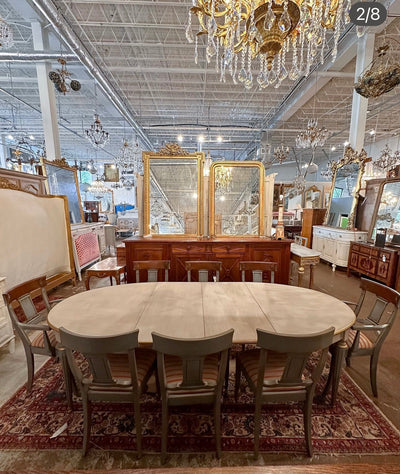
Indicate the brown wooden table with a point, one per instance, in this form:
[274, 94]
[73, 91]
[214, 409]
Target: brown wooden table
[106, 268]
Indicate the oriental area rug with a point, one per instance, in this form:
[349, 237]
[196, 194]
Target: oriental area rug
[353, 426]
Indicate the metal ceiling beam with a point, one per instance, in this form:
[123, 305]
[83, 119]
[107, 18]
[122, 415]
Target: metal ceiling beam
[35, 57]
[64, 30]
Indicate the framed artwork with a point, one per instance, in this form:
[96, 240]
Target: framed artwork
[62, 180]
[111, 173]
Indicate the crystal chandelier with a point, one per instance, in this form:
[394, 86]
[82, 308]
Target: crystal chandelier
[62, 80]
[6, 35]
[299, 184]
[284, 36]
[327, 172]
[387, 159]
[223, 179]
[312, 136]
[98, 188]
[96, 135]
[281, 153]
[129, 158]
[382, 75]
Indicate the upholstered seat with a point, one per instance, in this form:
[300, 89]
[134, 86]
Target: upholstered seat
[278, 372]
[376, 311]
[118, 373]
[191, 372]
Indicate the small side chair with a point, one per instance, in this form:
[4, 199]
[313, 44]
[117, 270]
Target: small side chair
[376, 311]
[203, 267]
[257, 269]
[119, 372]
[276, 373]
[152, 267]
[191, 372]
[31, 326]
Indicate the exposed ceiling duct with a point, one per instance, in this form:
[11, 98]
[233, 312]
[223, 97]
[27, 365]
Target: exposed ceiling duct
[58, 22]
[34, 57]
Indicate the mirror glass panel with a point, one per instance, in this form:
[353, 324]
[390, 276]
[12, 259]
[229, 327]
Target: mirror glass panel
[236, 207]
[173, 194]
[346, 184]
[387, 212]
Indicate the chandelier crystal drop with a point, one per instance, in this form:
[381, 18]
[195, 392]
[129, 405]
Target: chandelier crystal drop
[312, 136]
[129, 158]
[387, 159]
[284, 37]
[96, 135]
[223, 179]
[281, 153]
[6, 35]
[98, 188]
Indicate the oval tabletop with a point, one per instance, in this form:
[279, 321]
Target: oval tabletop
[193, 310]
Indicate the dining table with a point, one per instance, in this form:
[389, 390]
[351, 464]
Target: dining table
[201, 309]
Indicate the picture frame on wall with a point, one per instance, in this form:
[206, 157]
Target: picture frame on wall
[111, 173]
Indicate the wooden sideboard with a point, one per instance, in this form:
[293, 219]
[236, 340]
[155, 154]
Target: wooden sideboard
[375, 262]
[229, 251]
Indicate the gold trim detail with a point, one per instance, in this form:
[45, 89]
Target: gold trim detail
[6, 184]
[349, 156]
[62, 163]
[261, 175]
[172, 149]
[147, 156]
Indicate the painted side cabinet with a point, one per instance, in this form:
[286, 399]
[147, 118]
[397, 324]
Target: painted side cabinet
[334, 243]
[6, 329]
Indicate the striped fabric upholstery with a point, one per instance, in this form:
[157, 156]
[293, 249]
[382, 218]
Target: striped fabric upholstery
[173, 373]
[38, 340]
[120, 366]
[273, 370]
[363, 343]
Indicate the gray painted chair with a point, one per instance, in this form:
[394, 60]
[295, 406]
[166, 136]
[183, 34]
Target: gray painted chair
[191, 372]
[152, 267]
[118, 373]
[257, 269]
[375, 317]
[27, 321]
[276, 373]
[203, 267]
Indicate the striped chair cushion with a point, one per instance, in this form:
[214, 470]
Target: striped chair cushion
[173, 374]
[273, 370]
[120, 366]
[38, 340]
[363, 343]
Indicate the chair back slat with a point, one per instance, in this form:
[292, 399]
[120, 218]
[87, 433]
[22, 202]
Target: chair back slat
[152, 267]
[378, 310]
[192, 353]
[257, 269]
[203, 267]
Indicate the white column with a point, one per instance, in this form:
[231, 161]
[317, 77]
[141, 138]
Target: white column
[47, 96]
[365, 53]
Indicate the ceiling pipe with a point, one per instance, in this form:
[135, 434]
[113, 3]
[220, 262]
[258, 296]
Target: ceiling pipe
[34, 57]
[61, 26]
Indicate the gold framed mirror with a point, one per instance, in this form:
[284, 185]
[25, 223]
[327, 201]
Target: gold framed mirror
[173, 192]
[346, 184]
[312, 197]
[62, 179]
[387, 211]
[236, 199]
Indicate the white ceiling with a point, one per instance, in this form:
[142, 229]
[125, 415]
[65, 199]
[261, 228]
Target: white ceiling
[141, 50]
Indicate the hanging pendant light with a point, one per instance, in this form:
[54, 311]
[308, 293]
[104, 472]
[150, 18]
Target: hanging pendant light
[6, 35]
[96, 135]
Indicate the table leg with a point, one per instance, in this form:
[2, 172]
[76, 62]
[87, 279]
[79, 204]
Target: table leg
[339, 351]
[300, 272]
[117, 278]
[87, 282]
[311, 276]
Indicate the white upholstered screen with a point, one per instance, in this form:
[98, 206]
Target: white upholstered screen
[33, 236]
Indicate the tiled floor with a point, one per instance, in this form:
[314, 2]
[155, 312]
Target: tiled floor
[13, 375]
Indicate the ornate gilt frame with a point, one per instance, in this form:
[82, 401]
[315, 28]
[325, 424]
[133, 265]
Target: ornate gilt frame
[377, 204]
[172, 151]
[349, 156]
[255, 164]
[62, 163]
[315, 189]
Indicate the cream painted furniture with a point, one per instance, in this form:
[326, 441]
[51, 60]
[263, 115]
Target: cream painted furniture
[334, 243]
[6, 329]
[194, 310]
[304, 256]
